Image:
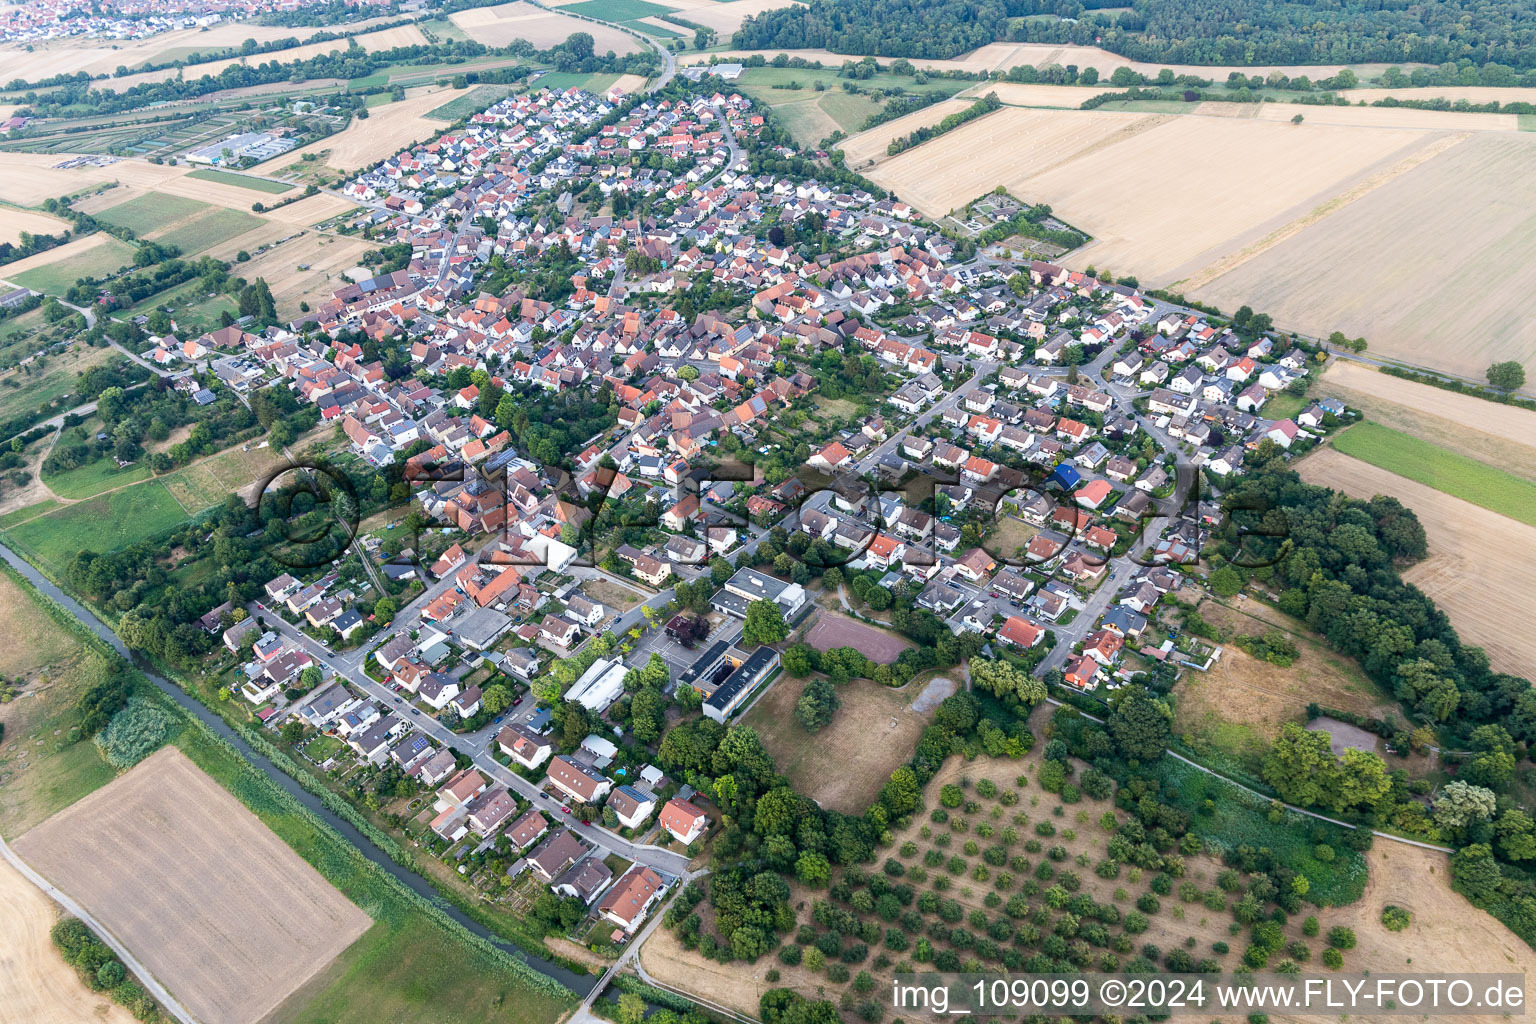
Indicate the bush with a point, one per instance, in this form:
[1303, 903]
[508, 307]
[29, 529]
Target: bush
[1341, 937]
[791, 954]
[1332, 958]
[837, 973]
[133, 733]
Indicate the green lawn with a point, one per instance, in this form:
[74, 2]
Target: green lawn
[1283, 406]
[150, 212]
[471, 102]
[106, 523]
[241, 181]
[21, 515]
[94, 477]
[617, 10]
[217, 225]
[105, 257]
[559, 80]
[1440, 468]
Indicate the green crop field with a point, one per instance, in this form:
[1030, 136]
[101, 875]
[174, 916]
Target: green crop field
[150, 212]
[618, 10]
[105, 257]
[1440, 468]
[471, 102]
[241, 181]
[215, 226]
[106, 523]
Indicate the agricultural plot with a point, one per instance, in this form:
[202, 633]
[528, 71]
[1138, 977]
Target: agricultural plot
[843, 765]
[240, 180]
[870, 147]
[149, 856]
[150, 212]
[324, 257]
[364, 143]
[500, 25]
[35, 983]
[54, 271]
[962, 884]
[14, 222]
[1480, 563]
[1470, 207]
[1440, 468]
[210, 229]
[1500, 435]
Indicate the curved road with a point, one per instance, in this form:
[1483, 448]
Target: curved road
[580, 984]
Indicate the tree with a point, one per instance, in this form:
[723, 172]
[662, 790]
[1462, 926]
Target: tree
[1461, 804]
[765, 623]
[813, 869]
[631, 1009]
[1004, 679]
[1507, 376]
[1226, 581]
[817, 703]
[1140, 723]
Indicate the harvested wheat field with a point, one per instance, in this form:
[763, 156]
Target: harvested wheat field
[1019, 94]
[1385, 117]
[1006, 147]
[14, 222]
[326, 256]
[726, 17]
[1440, 259]
[224, 913]
[628, 84]
[1500, 435]
[871, 146]
[1480, 564]
[1167, 202]
[500, 25]
[27, 179]
[35, 982]
[362, 144]
[1470, 93]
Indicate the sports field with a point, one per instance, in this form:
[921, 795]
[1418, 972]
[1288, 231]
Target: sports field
[214, 904]
[834, 630]
[1440, 468]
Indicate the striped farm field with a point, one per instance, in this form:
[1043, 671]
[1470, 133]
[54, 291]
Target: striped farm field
[1440, 468]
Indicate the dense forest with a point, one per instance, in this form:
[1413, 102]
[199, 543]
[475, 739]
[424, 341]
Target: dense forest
[1237, 33]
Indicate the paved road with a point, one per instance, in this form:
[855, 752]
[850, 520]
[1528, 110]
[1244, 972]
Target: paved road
[148, 980]
[577, 983]
[477, 747]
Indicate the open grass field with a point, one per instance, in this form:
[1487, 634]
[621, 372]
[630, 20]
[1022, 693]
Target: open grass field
[1471, 209]
[1237, 708]
[1382, 117]
[195, 488]
[834, 630]
[94, 477]
[20, 390]
[1500, 435]
[500, 25]
[43, 767]
[843, 765]
[55, 271]
[106, 523]
[150, 855]
[1480, 564]
[1440, 468]
[327, 257]
[240, 180]
[150, 212]
[35, 982]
